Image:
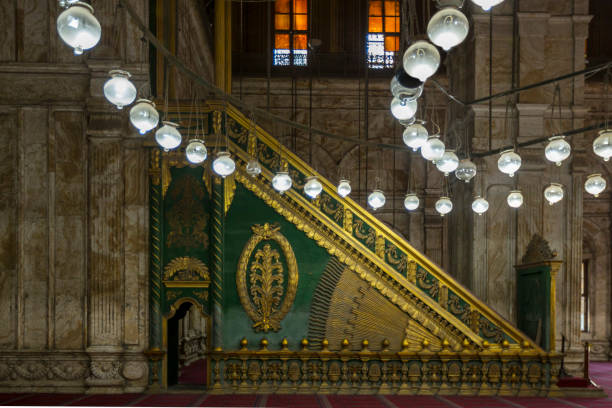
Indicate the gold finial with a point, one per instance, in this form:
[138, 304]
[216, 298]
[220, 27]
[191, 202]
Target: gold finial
[324, 345]
[526, 344]
[505, 344]
[304, 344]
[466, 343]
[264, 344]
[345, 344]
[284, 344]
[364, 345]
[486, 344]
[385, 345]
[425, 344]
[218, 349]
[244, 343]
[445, 344]
[405, 344]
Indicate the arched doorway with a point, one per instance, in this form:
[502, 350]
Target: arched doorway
[187, 344]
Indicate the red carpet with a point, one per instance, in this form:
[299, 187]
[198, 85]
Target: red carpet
[601, 373]
[193, 374]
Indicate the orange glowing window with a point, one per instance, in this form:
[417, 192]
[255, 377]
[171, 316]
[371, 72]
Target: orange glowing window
[383, 33]
[290, 33]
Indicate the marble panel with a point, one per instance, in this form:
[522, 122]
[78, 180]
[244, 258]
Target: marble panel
[34, 30]
[32, 88]
[7, 31]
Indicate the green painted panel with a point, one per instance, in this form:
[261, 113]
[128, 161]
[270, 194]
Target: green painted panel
[396, 258]
[332, 208]
[246, 211]
[364, 233]
[533, 304]
[458, 307]
[428, 283]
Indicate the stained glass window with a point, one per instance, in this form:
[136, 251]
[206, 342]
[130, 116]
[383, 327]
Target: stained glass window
[383, 33]
[290, 33]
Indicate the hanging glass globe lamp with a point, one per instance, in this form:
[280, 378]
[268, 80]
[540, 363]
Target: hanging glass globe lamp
[404, 86]
[433, 149]
[196, 151]
[168, 136]
[144, 116]
[344, 188]
[602, 146]
[444, 206]
[553, 193]
[376, 199]
[119, 90]
[281, 181]
[557, 150]
[595, 184]
[78, 27]
[421, 60]
[415, 135]
[466, 170]
[313, 187]
[486, 5]
[515, 198]
[448, 162]
[509, 162]
[411, 202]
[403, 109]
[448, 28]
[253, 168]
[480, 205]
[224, 165]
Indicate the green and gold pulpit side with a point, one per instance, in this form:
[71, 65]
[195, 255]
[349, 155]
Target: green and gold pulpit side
[318, 295]
[536, 294]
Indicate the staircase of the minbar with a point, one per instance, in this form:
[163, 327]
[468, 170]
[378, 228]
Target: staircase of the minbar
[453, 343]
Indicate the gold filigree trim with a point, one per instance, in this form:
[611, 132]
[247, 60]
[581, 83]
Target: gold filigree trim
[186, 269]
[229, 190]
[261, 297]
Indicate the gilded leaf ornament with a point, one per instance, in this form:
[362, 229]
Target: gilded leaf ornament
[266, 298]
[186, 269]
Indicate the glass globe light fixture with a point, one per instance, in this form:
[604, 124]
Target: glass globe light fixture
[515, 198]
[444, 206]
[421, 60]
[466, 170]
[282, 181]
[119, 90]
[415, 136]
[486, 5]
[78, 27]
[253, 168]
[224, 165]
[557, 150]
[313, 187]
[196, 151]
[448, 28]
[602, 146]
[376, 199]
[595, 184]
[404, 86]
[448, 163]
[403, 109]
[344, 188]
[433, 149]
[509, 162]
[168, 136]
[66, 3]
[553, 193]
[411, 202]
[144, 116]
[480, 205]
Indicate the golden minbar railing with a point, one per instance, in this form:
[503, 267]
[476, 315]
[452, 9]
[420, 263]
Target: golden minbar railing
[417, 369]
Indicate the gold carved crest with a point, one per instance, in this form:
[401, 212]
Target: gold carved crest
[186, 271]
[266, 285]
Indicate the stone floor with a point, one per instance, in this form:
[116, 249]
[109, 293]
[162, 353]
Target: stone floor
[601, 373]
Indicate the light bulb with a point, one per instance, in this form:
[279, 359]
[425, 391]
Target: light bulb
[466, 170]
[78, 27]
[224, 165]
[313, 187]
[253, 168]
[602, 146]
[421, 60]
[557, 150]
[344, 188]
[486, 5]
[448, 162]
[144, 116]
[168, 136]
[448, 28]
[282, 181]
[509, 162]
[119, 90]
[433, 149]
[404, 86]
[415, 135]
[376, 199]
[595, 184]
[196, 151]
[411, 202]
[480, 205]
[553, 193]
[403, 109]
[444, 205]
[515, 198]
